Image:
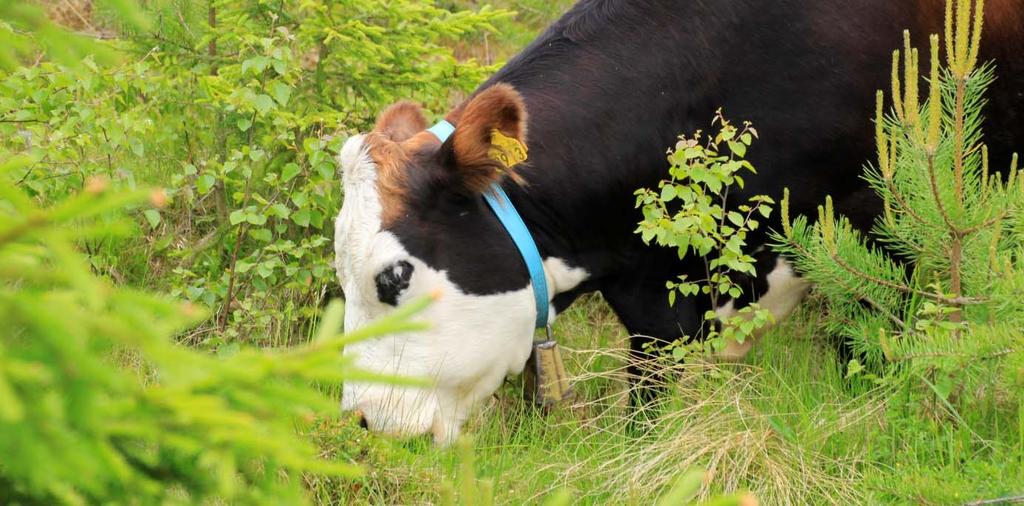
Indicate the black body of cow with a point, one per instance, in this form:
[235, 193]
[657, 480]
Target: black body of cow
[611, 85]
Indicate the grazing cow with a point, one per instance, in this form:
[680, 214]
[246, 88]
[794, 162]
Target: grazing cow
[597, 99]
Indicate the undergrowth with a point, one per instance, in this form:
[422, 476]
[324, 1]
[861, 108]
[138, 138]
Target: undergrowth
[784, 427]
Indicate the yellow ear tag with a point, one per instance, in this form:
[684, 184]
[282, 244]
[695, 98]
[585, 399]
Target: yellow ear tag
[506, 150]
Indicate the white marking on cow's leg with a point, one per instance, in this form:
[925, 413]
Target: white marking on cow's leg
[785, 291]
[561, 278]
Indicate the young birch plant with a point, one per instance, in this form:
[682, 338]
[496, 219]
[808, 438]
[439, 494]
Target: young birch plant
[691, 212]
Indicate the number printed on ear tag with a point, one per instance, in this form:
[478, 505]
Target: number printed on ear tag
[506, 150]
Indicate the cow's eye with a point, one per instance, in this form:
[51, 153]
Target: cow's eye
[392, 280]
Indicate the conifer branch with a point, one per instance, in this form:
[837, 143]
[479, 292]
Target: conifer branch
[934, 99]
[951, 354]
[897, 94]
[985, 190]
[951, 301]
[962, 39]
[898, 197]
[22, 228]
[910, 83]
[996, 219]
[858, 294]
[979, 22]
[958, 142]
[938, 197]
[950, 60]
[861, 296]
[993, 248]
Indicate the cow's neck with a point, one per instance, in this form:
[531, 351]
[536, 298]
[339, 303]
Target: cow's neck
[597, 129]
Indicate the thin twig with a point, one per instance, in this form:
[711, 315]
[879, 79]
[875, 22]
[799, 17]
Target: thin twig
[939, 354]
[1012, 499]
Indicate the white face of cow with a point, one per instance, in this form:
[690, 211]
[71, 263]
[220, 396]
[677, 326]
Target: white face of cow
[474, 341]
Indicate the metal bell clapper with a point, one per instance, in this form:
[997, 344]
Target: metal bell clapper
[545, 382]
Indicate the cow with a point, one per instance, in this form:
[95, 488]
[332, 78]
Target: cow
[596, 100]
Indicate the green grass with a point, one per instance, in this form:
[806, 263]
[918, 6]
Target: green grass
[785, 425]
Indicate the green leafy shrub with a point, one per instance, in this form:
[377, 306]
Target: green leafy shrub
[690, 212]
[232, 105]
[513, 33]
[269, 83]
[26, 31]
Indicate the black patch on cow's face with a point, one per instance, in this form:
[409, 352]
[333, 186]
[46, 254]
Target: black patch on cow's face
[392, 281]
[449, 227]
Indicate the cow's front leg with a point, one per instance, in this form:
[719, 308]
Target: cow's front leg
[640, 300]
[777, 289]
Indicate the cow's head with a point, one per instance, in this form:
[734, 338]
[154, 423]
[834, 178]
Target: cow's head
[413, 223]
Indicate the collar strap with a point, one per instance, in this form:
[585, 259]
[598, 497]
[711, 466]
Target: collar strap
[442, 130]
[502, 207]
[509, 217]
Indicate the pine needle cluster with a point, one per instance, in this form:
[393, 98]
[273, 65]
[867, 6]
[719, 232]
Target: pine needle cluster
[99, 404]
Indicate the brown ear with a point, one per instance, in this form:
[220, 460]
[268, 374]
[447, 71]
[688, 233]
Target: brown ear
[498, 108]
[401, 121]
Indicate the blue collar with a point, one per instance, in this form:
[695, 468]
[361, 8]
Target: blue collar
[499, 202]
